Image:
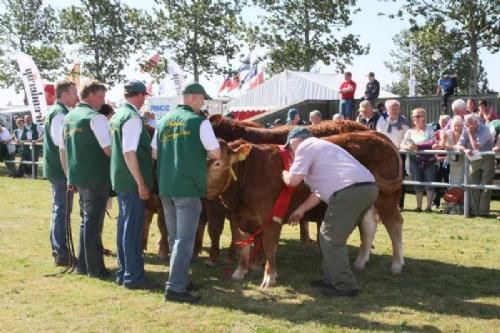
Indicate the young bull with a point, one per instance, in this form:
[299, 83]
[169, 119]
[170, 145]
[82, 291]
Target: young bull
[251, 193]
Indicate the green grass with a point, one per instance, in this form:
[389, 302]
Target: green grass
[451, 282]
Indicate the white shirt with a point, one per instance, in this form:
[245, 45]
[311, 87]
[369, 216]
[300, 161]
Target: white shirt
[5, 136]
[55, 128]
[98, 125]
[29, 133]
[327, 168]
[207, 137]
[396, 136]
[131, 132]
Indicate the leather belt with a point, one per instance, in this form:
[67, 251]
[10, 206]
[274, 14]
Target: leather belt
[353, 185]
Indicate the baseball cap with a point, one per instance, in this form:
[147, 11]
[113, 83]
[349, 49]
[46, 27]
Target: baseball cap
[291, 114]
[297, 132]
[135, 86]
[195, 88]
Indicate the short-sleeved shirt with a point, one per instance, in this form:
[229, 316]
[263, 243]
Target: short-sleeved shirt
[446, 85]
[483, 137]
[348, 84]
[327, 168]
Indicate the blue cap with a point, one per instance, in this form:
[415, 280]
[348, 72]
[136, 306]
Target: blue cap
[297, 132]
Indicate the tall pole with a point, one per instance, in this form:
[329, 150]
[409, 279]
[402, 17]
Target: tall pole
[411, 82]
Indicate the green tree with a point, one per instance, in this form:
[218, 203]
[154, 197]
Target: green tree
[199, 33]
[31, 27]
[107, 33]
[476, 21]
[435, 50]
[299, 33]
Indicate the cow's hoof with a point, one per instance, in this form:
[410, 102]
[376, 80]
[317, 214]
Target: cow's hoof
[239, 274]
[360, 264]
[396, 268]
[268, 282]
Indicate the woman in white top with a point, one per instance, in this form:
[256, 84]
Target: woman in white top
[449, 140]
[422, 167]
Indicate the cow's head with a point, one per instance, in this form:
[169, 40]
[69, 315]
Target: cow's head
[220, 172]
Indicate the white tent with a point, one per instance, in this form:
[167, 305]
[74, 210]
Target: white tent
[290, 87]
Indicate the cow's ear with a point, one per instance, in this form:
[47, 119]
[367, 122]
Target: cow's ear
[241, 153]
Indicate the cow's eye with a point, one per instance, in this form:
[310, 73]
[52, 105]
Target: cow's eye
[217, 164]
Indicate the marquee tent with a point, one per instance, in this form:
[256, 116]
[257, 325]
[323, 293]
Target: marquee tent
[290, 87]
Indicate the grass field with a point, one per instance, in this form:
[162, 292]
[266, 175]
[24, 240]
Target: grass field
[451, 282]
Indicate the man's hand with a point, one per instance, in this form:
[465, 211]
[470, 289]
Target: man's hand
[72, 188]
[468, 152]
[286, 177]
[144, 193]
[296, 216]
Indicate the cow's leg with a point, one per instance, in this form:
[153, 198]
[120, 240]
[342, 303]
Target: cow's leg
[244, 261]
[393, 223]
[396, 233]
[163, 241]
[198, 242]
[304, 233]
[367, 230]
[216, 219]
[270, 239]
[233, 250]
[148, 218]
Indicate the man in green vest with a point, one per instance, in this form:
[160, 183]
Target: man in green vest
[132, 180]
[181, 144]
[67, 97]
[86, 151]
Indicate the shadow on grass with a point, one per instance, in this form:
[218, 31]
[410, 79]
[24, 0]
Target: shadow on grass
[425, 286]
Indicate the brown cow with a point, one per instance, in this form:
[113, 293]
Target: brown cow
[250, 198]
[229, 130]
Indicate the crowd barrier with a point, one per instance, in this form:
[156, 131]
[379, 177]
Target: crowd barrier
[36, 154]
[465, 185]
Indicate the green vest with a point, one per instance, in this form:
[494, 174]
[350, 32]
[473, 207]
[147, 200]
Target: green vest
[86, 162]
[182, 159]
[51, 162]
[121, 177]
[34, 132]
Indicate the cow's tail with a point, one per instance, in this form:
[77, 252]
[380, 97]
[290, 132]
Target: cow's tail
[394, 184]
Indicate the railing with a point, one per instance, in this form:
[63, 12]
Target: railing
[34, 164]
[465, 185]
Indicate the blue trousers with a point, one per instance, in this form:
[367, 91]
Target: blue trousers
[182, 216]
[60, 205]
[129, 238]
[93, 199]
[346, 107]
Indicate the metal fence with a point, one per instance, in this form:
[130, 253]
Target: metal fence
[465, 185]
[432, 105]
[35, 154]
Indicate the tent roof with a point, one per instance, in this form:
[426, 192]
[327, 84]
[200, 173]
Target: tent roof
[291, 87]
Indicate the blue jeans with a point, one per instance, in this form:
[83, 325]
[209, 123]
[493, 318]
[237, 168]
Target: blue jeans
[60, 205]
[346, 108]
[129, 239]
[93, 199]
[182, 216]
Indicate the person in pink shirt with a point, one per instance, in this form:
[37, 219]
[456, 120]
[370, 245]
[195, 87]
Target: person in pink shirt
[346, 91]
